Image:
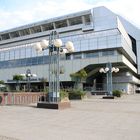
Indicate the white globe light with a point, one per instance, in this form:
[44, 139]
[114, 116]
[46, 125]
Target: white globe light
[106, 69]
[29, 75]
[69, 46]
[113, 69]
[34, 75]
[101, 70]
[38, 47]
[72, 49]
[116, 70]
[58, 43]
[44, 43]
[65, 51]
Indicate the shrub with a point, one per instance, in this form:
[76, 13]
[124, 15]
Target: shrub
[76, 94]
[63, 94]
[117, 93]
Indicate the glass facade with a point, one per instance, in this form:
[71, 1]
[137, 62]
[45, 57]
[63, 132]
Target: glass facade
[45, 59]
[82, 42]
[26, 55]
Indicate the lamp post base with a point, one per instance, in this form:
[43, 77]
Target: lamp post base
[53, 105]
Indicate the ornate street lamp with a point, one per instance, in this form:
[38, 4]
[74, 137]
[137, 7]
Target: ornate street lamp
[28, 76]
[56, 48]
[108, 70]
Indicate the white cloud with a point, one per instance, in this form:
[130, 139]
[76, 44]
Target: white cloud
[9, 20]
[41, 11]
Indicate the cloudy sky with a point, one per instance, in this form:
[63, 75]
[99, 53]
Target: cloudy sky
[14, 13]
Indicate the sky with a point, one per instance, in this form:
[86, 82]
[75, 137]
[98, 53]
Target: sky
[15, 13]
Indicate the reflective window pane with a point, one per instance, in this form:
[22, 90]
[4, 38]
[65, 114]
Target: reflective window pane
[17, 53]
[23, 53]
[6, 55]
[12, 54]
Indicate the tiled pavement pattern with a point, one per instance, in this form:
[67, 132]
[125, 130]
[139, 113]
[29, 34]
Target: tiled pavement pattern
[90, 119]
[7, 138]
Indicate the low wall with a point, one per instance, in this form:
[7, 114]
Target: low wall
[19, 98]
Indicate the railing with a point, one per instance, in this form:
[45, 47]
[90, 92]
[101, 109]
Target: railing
[19, 98]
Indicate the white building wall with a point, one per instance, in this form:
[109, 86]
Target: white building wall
[138, 55]
[104, 19]
[135, 33]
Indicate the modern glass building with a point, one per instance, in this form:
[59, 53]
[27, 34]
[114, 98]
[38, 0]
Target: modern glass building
[99, 36]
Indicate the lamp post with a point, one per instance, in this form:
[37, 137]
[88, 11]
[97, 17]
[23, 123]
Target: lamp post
[55, 47]
[108, 70]
[28, 76]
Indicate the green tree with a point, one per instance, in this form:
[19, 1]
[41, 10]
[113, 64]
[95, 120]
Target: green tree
[17, 78]
[79, 77]
[1, 82]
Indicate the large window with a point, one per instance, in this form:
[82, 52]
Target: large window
[2, 56]
[87, 19]
[12, 54]
[105, 53]
[77, 46]
[35, 29]
[5, 36]
[91, 55]
[84, 45]
[93, 44]
[14, 34]
[75, 21]
[24, 32]
[17, 54]
[102, 42]
[77, 56]
[112, 41]
[23, 53]
[33, 52]
[28, 52]
[6, 55]
[48, 26]
[60, 24]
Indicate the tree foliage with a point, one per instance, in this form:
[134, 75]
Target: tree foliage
[2, 82]
[17, 77]
[79, 76]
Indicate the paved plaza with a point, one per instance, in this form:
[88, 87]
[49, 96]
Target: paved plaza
[89, 119]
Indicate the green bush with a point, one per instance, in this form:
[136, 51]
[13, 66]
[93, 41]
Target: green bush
[117, 93]
[76, 94]
[63, 94]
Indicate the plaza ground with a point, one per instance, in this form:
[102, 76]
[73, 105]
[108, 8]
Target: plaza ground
[89, 119]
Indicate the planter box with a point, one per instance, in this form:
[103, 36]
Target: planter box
[50, 105]
[108, 97]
